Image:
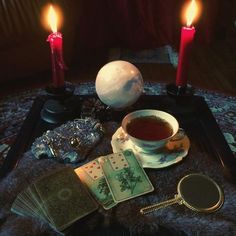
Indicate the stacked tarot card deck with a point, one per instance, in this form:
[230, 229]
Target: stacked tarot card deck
[58, 198]
[63, 196]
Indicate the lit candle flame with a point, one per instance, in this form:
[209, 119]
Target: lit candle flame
[191, 12]
[52, 19]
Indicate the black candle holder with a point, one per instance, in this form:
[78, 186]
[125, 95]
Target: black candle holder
[180, 91]
[61, 104]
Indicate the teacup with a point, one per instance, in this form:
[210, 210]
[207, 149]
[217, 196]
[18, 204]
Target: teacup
[150, 129]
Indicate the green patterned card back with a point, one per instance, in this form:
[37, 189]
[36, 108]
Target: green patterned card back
[64, 197]
[37, 201]
[27, 204]
[21, 207]
[124, 175]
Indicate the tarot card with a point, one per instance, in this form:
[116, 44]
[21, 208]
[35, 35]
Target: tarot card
[36, 202]
[64, 198]
[125, 177]
[92, 176]
[25, 204]
[22, 208]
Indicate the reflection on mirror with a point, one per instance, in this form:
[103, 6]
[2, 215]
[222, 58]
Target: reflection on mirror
[196, 191]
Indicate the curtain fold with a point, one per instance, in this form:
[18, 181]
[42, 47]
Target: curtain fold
[138, 23]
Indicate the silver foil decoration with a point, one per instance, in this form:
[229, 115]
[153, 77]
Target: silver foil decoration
[70, 142]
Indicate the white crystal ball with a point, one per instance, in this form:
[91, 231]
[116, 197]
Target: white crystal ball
[119, 84]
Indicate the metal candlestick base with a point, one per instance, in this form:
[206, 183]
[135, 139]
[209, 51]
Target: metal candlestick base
[179, 91]
[61, 105]
[60, 93]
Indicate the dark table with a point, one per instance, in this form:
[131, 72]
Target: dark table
[209, 154]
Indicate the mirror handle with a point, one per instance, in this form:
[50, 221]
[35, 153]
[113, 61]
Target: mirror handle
[157, 206]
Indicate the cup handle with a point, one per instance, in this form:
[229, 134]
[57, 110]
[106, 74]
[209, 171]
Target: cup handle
[178, 136]
[122, 135]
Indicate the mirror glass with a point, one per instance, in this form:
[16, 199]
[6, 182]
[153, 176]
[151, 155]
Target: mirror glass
[200, 193]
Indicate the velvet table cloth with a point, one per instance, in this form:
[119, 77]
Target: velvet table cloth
[175, 220]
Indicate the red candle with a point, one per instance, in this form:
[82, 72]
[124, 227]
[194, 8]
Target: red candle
[187, 36]
[55, 40]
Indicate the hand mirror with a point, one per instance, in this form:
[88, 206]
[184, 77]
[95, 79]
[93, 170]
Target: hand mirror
[196, 191]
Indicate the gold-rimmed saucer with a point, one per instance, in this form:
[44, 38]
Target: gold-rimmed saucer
[173, 152]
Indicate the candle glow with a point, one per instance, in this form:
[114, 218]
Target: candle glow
[191, 12]
[52, 19]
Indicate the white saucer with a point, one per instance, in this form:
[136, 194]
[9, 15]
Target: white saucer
[172, 153]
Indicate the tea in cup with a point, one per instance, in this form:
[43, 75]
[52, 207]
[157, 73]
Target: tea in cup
[150, 129]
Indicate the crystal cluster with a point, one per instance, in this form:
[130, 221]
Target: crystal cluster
[69, 143]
